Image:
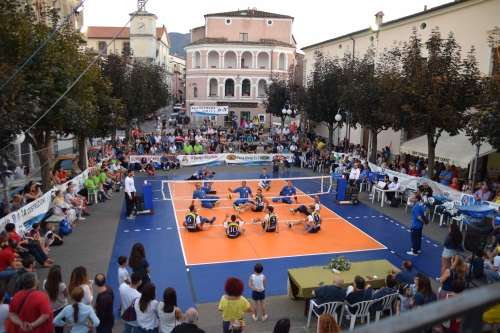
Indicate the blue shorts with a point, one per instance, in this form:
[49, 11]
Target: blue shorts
[256, 296]
[314, 230]
[258, 209]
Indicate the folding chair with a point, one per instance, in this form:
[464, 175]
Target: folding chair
[91, 192]
[401, 193]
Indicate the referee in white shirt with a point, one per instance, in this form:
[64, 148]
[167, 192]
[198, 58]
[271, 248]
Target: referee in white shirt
[129, 194]
[354, 175]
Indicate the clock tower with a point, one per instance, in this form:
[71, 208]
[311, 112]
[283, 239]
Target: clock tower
[143, 33]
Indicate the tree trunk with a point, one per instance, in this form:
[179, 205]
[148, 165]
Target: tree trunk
[41, 143]
[373, 157]
[127, 132]
[431, 150]
[330, 136]
[82, 152]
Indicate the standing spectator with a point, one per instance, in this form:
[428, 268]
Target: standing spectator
[129, 295]
[56, 291]
[138, 262]
[457, 271]
[326, 294]
[257, 283]
[451, 244]
[145, 308]
[80, 278]
[417, 223]
[446, 176]
[394, 186]
[354, 175]
[78, 314]
[168, 312]
[104, 305]
[233, 305]
[35, 314]
[190, 325]
[129, 194]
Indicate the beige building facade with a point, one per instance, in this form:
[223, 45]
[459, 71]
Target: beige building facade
[471, 21]
[231, 59]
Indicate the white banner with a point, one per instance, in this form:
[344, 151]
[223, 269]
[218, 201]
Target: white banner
[209, 110]
[218, 159]
[137, 158]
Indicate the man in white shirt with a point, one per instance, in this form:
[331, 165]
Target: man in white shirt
[129, 293]
[286, 131]
[19, 171]
[129, 194]
[117, 171]
[394, 186]
[354, 175]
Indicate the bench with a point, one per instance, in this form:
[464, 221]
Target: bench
[56, 221]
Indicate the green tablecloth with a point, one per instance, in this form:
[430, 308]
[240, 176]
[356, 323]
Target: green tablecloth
[302, 281]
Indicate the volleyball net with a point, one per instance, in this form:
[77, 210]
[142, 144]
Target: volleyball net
[305, 186]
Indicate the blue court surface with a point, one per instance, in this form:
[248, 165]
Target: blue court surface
[205, 283]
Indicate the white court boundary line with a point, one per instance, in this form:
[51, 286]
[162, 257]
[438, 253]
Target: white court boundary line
[274, 204]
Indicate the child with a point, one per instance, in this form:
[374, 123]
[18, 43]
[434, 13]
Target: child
[123, 276]
[51, 238]
[257, 283]
[34, 234]
[151, 168]
[403, 300]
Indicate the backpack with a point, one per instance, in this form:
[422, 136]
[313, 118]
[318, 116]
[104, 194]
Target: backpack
[65, 228]
[395, 202]
[14, 284]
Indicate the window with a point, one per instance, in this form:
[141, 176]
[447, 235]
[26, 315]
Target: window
[102, 48]
[243, 37]
[229, 88]
[423, 26]
[195, 92]
[228, 21]
[245, 88]
[269, 22]
[126, 49]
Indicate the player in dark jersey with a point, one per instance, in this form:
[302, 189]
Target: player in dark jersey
[269, 222]
[313, 224]
[257, 205]
[194, 222]
[233, 228]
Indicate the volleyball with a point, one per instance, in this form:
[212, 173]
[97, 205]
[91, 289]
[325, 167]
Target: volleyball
[230, 196]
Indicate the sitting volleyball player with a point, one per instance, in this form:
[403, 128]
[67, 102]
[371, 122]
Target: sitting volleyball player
[207, 184]
[314, 222]
[264, 183]
[194, 222]
[286, 193]
[233, 227]
[257, 205]
[269, 222]
[207, 201]
[244, 192]
[303, 209]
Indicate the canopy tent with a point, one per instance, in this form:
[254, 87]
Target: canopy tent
[456, 150]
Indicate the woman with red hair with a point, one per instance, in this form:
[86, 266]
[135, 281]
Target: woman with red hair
[233, 305]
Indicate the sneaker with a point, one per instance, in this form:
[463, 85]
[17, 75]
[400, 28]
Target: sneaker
[216, 203]
[264, 318]
[438, 279]
[253, 221]
[131, 217]
[235, 206]
[288, 223]
[81, 218]
[164, 169]
[212, 220]
[86, 214]
[412, 254]
[241, 211]
[292, 211]
[255, 318]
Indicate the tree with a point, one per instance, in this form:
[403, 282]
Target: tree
[282, 91]
[436, 92]
[322, 96]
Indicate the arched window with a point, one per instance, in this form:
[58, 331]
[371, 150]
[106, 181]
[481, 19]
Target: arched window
[195, 92]
[102, 48]
[245, 87]
[229, 88]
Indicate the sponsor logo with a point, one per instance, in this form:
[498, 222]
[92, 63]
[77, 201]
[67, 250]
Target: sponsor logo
[231, 157]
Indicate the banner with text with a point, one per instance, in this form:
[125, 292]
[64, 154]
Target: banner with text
[209, 110]
[240, 159]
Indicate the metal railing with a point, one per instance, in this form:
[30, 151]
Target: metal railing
[468, 306]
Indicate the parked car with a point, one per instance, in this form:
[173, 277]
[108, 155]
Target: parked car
[66, 161]
[150, 116]
[178, 107]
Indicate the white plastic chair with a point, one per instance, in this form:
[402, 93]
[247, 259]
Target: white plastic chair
[408, 203]
[330, 308]
[90, 193]
[365, 184]
[362, 310]
[401, 193]
[388, 303]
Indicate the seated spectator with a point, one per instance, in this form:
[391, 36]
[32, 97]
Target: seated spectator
[53, 177]
[407, 275]
[8, 263]
[117, 171]
[75, 169]
[143, 164]
[326, 294]
[358, 292]
[34, 234]
[17, 203]
[454, 184]
[493, 274]
[413, 171]
[365, 173]
[394, 186]
[213, 148]
[198, 148]
[175, 162]
[61, 207]
[483, 194]
[496, 199]
[476, 265]
[75, 202]
[61, 174]
[151, 168]
[389, 289]
[188, 149]
[34, 250]
[32, 192]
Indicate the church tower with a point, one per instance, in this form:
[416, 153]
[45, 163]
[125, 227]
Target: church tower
[143, 33]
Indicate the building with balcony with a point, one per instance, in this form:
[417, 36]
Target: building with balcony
[178, 66]
[232, 58]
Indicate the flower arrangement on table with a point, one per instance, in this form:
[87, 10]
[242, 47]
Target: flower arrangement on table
[340, 263]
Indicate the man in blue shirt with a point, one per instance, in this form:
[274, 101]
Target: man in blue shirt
[363, 176]
[207, 184]
[417, 223]
[206, 200]
[264, 183]
[244, 192]
[198, 175]
[286, 193]
[446, 176]
[175, 163]
[165, 162]
[407, 275]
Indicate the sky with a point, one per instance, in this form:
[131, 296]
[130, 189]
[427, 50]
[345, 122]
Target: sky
[314, 21]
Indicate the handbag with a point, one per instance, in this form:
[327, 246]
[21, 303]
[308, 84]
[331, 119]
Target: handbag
[237, 324]
[32, 243]
[129, 314]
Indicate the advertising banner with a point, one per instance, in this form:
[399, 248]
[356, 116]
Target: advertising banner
[209, 110]
[240, 159]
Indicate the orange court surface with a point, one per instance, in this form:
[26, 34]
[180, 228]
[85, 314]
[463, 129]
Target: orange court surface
[213, 246]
